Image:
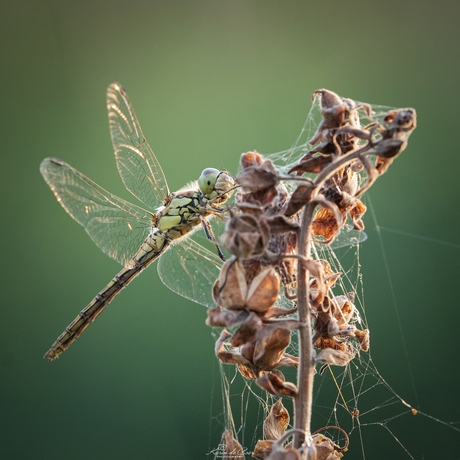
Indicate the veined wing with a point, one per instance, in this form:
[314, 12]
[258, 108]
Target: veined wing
[348, 237]
[116, 226]
[138, 166]
[190, 270]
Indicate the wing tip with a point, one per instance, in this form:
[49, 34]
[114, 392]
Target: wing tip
[50, 161]
[116, 87]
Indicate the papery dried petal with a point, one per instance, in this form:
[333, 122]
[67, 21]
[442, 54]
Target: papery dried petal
[276, 422]
[246, 234]
[276, 312]
[325, 224]
[263, 291]
[233, 449]
[395, 130]
[228, 356]
[247, 350]
[258, 177]
[325, 449]
[363, 338]
[324, 343]
[312, 165]
[247, 372]
[269, 349]
[274, 385]
[247, 331]
[300, 197]
[329, 99]
[288, 360]
[262, 449]
[356, 212]
[231, 289]
[251, 159]
[389, 148]
[334, 111]
[335, 357]
[318, 291]
[225, 318]
[345, 309]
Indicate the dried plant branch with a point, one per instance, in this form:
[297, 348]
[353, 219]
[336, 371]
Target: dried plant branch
[270, 234]
[303, 401]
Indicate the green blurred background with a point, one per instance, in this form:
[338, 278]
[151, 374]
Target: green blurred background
[210, 79]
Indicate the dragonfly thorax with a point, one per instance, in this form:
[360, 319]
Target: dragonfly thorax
[183, 212]
[185, 209]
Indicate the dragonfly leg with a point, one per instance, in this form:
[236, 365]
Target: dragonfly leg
[210, 236]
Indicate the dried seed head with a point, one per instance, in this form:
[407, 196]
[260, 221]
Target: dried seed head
[336, 113]
[276, 422]
[262, 449]
[324, 448]
[251, 159]
[246, 235]
[231, 289]
[269, 349]
[233, 449]
[263, 291]
[234, 291]
[247, 333]
[258, 179]
[275, 384]
[329, 99]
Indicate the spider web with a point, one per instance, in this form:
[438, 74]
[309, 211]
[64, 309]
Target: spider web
[356, 398]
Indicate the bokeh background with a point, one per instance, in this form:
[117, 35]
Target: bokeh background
[211, 79]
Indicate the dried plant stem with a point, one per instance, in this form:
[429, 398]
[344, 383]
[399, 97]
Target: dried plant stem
[305, 376]
[303, 400]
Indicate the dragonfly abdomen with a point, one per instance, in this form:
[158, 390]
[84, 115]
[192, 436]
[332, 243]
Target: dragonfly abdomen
[149, 251]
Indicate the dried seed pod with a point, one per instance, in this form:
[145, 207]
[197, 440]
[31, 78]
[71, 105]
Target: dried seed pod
[276, 422]
[258, 177]
[234, 291]
[231, 289]
[263, 291]
[246, 235]
[335, 357]
[275, 384]
[233, 449]
[324, 448]
[269, 349]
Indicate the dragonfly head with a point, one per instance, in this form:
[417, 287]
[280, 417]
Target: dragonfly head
[216, 185]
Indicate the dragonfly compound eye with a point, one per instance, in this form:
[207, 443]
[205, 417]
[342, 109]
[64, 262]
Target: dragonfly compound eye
[207, 180]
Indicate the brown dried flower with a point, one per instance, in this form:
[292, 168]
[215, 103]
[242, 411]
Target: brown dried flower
[232, 448]
[274, 427]
[235, 291]
[246, 234]
[258, 179]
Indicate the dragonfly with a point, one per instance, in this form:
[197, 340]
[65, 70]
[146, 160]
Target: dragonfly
[132, 235]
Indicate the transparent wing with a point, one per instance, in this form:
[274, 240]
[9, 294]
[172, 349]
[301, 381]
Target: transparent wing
[116, 226]
[190, 270]
[138, 166]
[348, 237]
